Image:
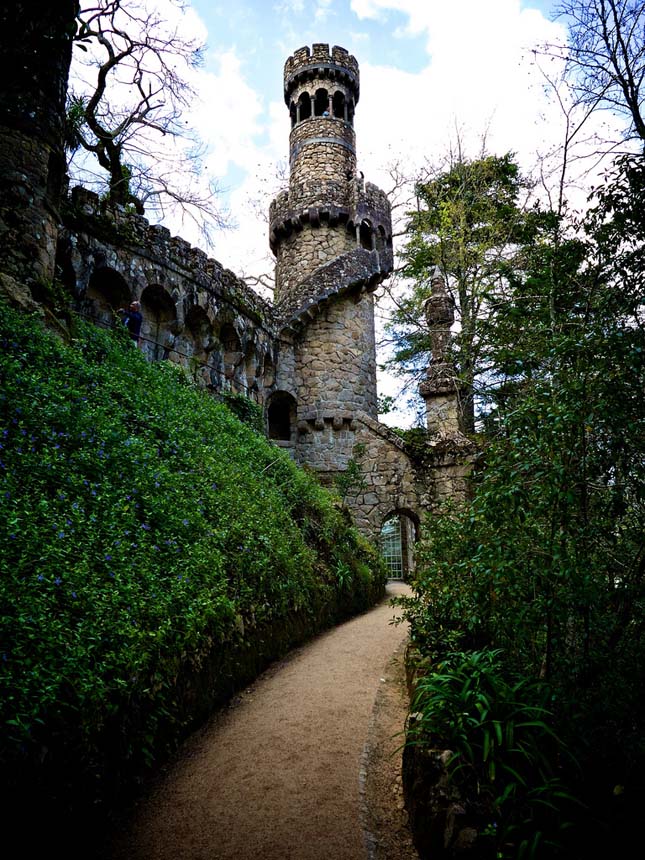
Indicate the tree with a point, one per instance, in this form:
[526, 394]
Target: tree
[547, 560]
[605, 57]
[471, 223]
[130, 87]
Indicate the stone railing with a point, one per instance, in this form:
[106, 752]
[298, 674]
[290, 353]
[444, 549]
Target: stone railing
[156, 243]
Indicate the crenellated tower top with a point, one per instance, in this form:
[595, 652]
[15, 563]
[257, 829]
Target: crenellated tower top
[306, 64]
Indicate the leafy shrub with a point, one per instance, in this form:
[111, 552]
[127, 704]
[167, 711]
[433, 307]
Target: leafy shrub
[504, 751]
[146, 536]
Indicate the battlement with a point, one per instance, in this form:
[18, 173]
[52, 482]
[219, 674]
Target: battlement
[306, 63]
[332, 202]
[172, 252]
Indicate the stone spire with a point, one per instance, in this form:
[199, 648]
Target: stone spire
[439, 389]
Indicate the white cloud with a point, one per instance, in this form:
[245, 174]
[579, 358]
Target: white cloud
[323, 10]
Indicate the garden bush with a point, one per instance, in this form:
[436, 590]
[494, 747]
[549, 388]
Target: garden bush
[155, 551]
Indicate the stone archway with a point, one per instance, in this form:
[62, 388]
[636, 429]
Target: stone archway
[106, 292]
[159, 315]
[398, 535]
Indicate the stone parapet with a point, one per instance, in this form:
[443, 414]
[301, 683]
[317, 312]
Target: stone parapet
[327, 200]
[157, 244]
[318, 61]
[330, 202]
[357, 269]
[373, 203]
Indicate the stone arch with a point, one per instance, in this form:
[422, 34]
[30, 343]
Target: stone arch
[250, 369]
[107, 291]
[281, 416]
[159, 315]
[304, 106]
[399, 532]
[366, 234]
[192, 344]
[321, 102]
[198, 327]
[232, 354]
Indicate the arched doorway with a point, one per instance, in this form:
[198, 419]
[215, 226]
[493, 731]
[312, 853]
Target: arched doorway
[399, 533]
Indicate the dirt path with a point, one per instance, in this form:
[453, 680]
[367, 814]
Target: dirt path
[299, 767]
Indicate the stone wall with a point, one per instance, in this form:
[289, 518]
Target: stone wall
[336, 360]
[302, 252]
[195, 312]
[394, 478]
[36, 45]
[322, 147]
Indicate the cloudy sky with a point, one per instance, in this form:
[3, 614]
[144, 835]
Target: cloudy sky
[430, 70]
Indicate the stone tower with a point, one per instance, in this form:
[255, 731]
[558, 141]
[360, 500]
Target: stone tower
[332, 237]
[36, 42]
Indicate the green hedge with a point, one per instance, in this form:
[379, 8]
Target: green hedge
[155, 551]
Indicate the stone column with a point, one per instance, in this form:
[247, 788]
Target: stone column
[439, 389]
[36, 44]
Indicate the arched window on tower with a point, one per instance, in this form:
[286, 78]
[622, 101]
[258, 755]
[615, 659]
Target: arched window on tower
[339, 105]
[366, 235]
[304, 106]
[321, 104]
[281, 416]
[350, 111]
[293, 113]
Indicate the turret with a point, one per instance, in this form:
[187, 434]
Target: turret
[331, 233]
[439, 389]
[328, 209]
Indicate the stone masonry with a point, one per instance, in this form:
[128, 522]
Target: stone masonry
[309, 357]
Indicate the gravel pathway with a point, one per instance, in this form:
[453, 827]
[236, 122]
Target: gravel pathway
[298, 767]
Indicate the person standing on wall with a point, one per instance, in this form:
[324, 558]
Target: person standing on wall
[132, 320]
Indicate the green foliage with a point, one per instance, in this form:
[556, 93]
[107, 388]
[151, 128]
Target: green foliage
[247, 410]
[546, 561]
[504, 751]
[145, 532]
[470, 223]
[352, 480]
